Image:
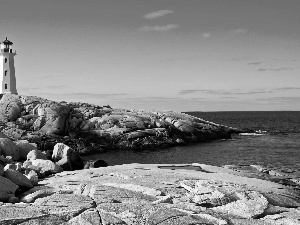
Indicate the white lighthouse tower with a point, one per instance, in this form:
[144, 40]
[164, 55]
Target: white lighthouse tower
[7, 68]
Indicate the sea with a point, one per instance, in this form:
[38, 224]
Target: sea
[274, 145]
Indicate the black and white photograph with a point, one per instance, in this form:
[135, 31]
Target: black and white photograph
[150, 112]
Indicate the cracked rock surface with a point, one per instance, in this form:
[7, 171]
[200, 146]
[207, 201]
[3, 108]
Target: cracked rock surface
[91, 128]
[155, 194]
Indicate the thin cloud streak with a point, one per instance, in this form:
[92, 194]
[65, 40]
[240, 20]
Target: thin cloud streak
[280, 99]
[159, 28]
[219, 92]
[287, 88]
[236, 92]
[157, 14]
[275, 69]
[255, 63]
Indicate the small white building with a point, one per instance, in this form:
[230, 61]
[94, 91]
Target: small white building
[7, 68]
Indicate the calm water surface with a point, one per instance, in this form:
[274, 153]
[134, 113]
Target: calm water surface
[277, 147]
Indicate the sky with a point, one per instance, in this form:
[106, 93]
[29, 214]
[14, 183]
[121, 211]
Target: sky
[181, 55]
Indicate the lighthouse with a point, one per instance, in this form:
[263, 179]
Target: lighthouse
[7, 68]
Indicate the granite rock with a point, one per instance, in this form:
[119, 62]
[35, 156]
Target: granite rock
[7, 189]
[33, 177]
[36, 154]
[10, 107]
[46, 166]
[18, 178]
[66, 157]
[110, 128]
[140, 194]
[9, 148]
[25, 147]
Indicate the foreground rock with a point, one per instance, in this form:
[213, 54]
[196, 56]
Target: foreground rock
[89, 128]
[155, 194]
[7, 189]
[66, 157]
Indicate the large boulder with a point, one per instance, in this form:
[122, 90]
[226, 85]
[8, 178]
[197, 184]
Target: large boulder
[9, 148]
[52, 118]
[1, 168]
[66, 157]
[95, 164]
[17, 178]
[32, 176]
[7, 189]
[36, 154]
[251, 204]
[46, 166]
[10, 107]
[25, 147]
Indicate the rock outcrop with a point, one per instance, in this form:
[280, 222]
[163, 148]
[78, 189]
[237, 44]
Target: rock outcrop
[66, 157]
[7, 189]
[50, 137]
[138, 194]
[46, 123]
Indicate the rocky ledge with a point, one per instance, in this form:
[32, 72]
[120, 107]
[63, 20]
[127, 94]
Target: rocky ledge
[43, 179]
[155, 194]
[90, 128]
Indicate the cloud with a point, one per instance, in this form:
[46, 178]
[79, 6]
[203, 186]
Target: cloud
[275, 69]
[159, 13]
[158, 98]
[206, 35]
[286, 88]
[238, 92]
[281, 99]
[159, 28]
[222, 92]
[254, 63]
[227, 97]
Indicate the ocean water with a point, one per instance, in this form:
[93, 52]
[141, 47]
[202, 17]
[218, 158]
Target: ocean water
[275, 145]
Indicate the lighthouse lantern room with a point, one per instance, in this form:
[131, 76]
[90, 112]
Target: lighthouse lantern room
[7, 68]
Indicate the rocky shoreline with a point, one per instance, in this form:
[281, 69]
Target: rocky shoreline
[43, 179]
[91, 129]
[156, 194]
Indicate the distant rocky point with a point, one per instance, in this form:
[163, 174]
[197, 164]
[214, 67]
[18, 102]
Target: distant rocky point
[90, 128]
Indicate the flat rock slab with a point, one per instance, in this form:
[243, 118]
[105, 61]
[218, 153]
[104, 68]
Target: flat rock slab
[145, 194]
[90, 216]
[107, 194]
[63, 206]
